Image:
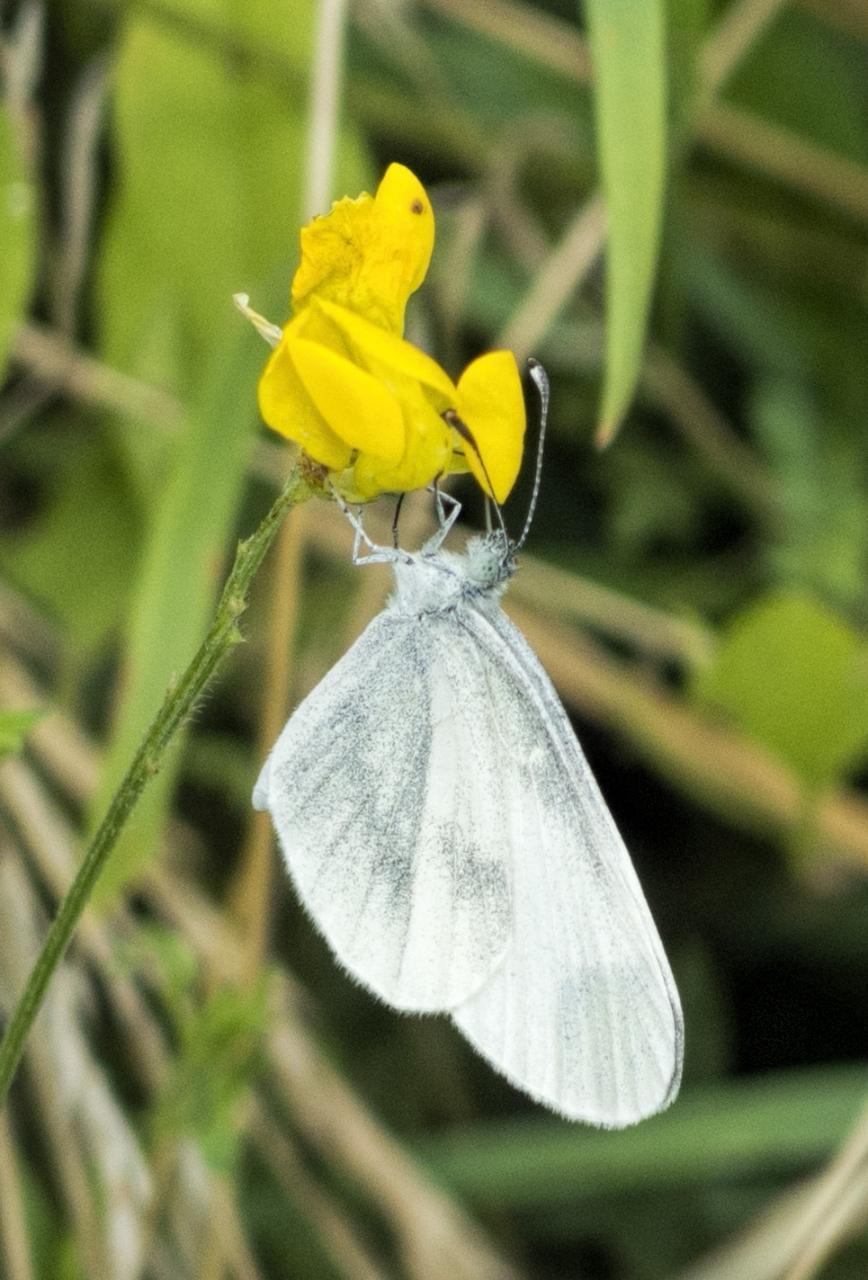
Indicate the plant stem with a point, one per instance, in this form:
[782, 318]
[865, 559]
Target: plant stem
[180, 699]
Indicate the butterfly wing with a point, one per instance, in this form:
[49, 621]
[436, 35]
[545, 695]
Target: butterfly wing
[583, 1013]
[391, 817]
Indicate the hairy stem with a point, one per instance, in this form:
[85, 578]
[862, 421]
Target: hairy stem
[180, 699]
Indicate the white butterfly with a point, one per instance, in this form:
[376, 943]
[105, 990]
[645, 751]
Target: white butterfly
[444, 830]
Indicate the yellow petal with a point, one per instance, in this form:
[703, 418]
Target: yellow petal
[371, 253]
[427, 454]
[491, 404]
[355, 405]
[332, 248]
[390, 358]
[287, 408]
[406, 222]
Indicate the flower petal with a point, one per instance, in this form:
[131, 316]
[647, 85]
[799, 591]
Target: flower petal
[407, 225]
[371, 253]
[491, 404]
[385, 354]
[287, 408]
[427, 454]
[355, 405]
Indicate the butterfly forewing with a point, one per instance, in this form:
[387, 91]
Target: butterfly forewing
[391, 816]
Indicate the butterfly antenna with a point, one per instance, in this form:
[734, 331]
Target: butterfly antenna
[460, 426]
[541, 379]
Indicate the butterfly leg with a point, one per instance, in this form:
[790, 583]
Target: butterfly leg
[444, 519]
[375, 554]
[395, 518]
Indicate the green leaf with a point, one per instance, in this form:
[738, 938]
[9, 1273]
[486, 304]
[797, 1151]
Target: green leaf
[16, 236]
[14, 727]
[795, 677]
[627, 40]
[778, 1123]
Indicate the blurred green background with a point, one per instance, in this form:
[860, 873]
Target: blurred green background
[205, 1093]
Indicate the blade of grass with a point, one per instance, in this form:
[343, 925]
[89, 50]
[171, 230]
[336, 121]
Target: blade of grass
[838, 1207]
[628, 49]
[784, 1121]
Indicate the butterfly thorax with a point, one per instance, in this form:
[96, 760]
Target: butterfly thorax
[440, 581]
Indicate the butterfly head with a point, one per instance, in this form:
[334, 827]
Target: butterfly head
[489, 560]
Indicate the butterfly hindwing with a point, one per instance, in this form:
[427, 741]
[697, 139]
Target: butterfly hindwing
[583, 1012]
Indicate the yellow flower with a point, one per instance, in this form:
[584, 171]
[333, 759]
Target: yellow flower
[343, 384]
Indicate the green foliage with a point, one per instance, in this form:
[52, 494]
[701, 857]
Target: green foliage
[687, 23]
[218, 1056]
[217, 1060]
[630, 92]
[14, 728]
[53, 1250]
[796, 678]
[192, 146]
[174, 964]
[77, 554]
[821, 537]
[486, 80]
[17, 235]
